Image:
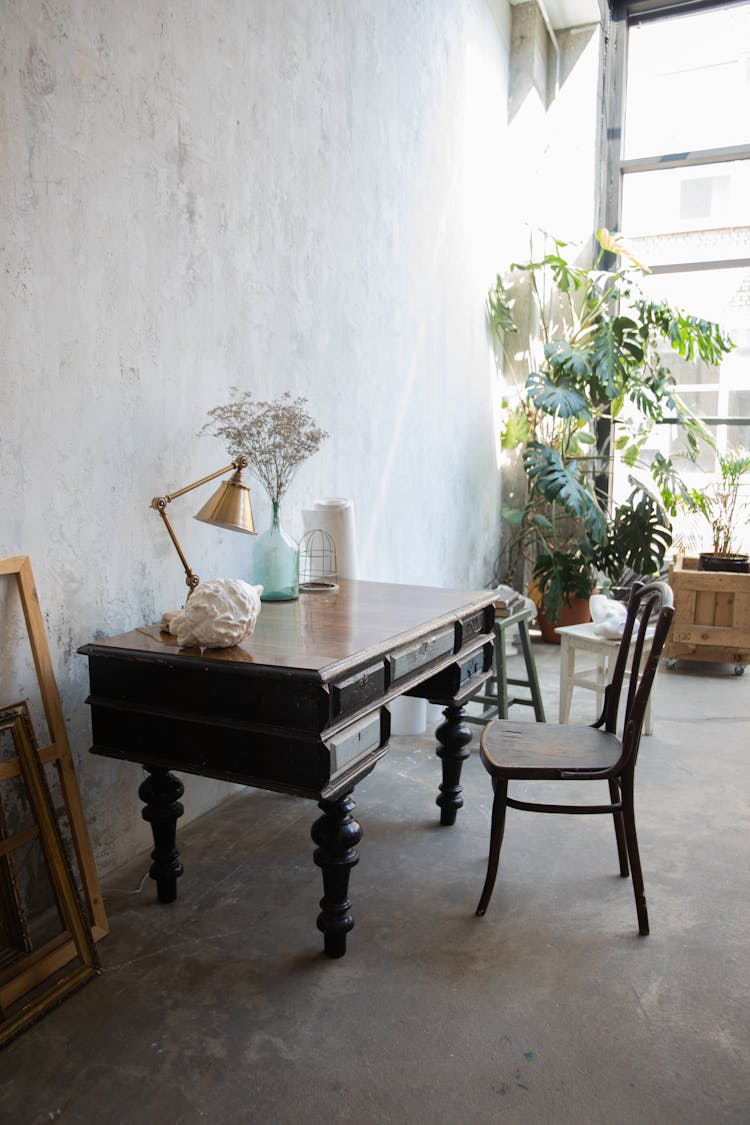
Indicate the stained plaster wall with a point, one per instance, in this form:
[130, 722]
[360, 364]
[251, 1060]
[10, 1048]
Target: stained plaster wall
[303, 195]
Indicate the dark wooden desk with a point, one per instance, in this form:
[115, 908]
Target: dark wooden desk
[301, 707]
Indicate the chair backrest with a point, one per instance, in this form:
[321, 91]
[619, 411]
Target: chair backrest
[650, 613]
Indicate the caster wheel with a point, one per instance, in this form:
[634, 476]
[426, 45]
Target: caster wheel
[739, 669]
[672, 662]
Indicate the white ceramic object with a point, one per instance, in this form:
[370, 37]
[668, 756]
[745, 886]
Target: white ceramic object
[219, 613]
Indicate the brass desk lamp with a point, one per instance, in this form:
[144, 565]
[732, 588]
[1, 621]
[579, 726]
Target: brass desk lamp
[229, 507]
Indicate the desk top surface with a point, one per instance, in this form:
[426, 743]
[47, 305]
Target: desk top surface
[319, 630]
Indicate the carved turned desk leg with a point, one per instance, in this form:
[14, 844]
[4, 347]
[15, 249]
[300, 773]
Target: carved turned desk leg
[454, 735]
[336, 833]
[162, 791]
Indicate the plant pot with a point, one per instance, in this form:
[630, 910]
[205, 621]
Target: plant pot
[735, 564]
[577, 613]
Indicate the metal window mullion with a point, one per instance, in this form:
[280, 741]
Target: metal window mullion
[615, 65]
[700, 267]
[691, 159]
[643, 11]
[709, 421]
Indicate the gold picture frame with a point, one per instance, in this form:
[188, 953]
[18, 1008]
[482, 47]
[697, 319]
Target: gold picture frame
[37, 979]
[58, 749]
[20, 975]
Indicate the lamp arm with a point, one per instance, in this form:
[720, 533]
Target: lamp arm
[240, 463]
[159, 504]
[191, 579]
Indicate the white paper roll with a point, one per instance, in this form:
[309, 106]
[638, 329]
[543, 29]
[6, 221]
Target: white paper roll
[335, 516]
[435, 715]
[408, 716]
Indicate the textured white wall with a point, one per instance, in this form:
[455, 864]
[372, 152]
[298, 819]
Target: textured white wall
[552, 140]
[302, 195]
[552, 143]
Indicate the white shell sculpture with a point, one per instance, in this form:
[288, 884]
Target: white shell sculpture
[219, 613]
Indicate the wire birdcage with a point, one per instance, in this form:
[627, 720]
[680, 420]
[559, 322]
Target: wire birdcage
[317, 561]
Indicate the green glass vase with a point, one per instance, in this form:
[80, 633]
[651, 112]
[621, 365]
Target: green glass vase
[276, 563]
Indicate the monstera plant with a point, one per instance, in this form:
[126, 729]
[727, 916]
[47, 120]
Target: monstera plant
[595, 381]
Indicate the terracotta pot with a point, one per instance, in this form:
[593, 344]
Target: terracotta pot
[577, 613]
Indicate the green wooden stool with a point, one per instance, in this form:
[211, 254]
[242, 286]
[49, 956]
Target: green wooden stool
[498, 699]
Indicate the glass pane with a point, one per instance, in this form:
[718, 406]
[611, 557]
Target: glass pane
[739, 403]
[688, 82]
[739, 407]
[692, 471]
[738, 436]
[700, 402]
[702, 199]
[722, 295]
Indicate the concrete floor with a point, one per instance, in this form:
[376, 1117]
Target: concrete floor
[222, 1008]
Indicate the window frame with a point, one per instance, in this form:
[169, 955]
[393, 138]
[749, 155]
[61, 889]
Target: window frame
[623, 14]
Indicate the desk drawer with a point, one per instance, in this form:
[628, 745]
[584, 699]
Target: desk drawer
[355, 692]
[460, 678]
[479, 661]
[420, 654]
[356, 740]
[478, 623]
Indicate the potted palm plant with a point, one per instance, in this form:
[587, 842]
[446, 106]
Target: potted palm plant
[593, 379]
[726, 510]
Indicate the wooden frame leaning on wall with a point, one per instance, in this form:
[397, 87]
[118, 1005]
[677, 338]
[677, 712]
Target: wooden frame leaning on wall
[36, 979]
[57, 750]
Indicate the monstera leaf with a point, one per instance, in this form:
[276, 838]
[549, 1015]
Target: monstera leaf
[560, 483]
[565, 357]
[516, 429]
[556, 396]
[616, 350]
[638, 537]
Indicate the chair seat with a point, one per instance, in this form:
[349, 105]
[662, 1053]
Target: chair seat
[537, 750]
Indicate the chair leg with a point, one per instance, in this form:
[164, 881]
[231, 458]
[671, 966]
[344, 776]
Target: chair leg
[496, 839]
[628, 813]
[531, 674]
[501, 673]
[567, 672]
[622, 846]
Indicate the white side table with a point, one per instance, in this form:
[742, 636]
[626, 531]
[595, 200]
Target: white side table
[585, 639]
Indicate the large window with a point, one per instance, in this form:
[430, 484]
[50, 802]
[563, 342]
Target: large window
[680, 192]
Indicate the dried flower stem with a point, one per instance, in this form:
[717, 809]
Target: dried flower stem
[276, 437]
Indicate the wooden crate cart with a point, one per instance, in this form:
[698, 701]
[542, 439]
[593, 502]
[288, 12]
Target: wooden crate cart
[712, 616]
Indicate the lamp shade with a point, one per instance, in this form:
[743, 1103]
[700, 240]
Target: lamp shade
[229, 506]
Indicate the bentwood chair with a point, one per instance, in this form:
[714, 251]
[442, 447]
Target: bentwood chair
[513, 751]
